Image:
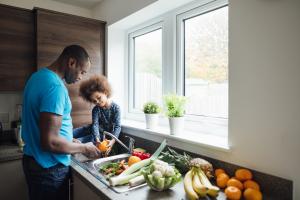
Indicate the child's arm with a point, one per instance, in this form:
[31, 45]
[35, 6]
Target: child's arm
[116, 121]
[95, 123]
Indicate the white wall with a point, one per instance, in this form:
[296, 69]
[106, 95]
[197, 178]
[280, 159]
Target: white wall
[264, 94]
[48, 4]
[114, 10]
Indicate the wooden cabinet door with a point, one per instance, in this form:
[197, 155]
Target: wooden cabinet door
[57, 30]
[17, 47]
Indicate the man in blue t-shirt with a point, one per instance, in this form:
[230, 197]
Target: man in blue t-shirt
[47, 125]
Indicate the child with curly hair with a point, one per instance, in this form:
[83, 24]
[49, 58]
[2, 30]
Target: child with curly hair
[105, 114]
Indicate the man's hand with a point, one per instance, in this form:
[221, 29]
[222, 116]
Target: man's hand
[110, 145]
[91, 151]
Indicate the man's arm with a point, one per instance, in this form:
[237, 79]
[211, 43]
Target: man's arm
[50, 125]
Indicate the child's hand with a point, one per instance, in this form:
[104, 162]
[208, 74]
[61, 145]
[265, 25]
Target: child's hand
[76, 141]
[110, 145]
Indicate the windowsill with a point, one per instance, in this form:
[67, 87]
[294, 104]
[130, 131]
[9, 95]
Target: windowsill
[205, 140]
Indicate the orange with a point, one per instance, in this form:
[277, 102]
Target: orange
[222, 180]
[233, 193]
[219, 171]
[243, 174]
[236, 183]
[252, 194]
[133, 159]
[251, 184]
[103, 145]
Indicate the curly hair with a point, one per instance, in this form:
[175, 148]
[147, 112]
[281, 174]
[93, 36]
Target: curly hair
[97, 83]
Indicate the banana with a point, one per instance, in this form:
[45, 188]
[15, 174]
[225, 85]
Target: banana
[198, 186]
[188, 186]
[212, 190]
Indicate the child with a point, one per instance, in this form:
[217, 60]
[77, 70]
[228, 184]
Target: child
[105, 114]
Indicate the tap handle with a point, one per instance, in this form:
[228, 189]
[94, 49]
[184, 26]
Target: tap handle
[131, 143]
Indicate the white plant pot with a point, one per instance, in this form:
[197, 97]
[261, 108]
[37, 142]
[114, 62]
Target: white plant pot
[151, 120]
[176, 125]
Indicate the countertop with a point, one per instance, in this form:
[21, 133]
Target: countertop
[9, 152]
[142, 193]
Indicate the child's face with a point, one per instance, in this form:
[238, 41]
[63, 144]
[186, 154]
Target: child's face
[99, 99]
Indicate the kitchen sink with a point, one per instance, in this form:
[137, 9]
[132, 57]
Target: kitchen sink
[93, 166]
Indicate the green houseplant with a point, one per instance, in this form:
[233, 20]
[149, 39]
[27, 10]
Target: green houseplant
[151, 110]
[175, 108]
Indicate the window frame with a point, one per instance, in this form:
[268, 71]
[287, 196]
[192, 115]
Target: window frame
[180, 71]
[131, 112]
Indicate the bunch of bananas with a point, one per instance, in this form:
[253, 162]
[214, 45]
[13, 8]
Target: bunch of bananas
[196, 183]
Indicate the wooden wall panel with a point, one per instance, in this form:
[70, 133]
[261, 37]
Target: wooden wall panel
[17, 47]
[55, 31]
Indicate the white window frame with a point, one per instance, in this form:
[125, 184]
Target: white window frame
[172, 62]
[208, 7]
[131, 111]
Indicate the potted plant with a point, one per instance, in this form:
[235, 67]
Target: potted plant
[175, 107]
[151, 111]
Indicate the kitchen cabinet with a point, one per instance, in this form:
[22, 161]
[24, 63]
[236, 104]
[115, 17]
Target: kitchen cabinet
[56, 30]
[17, 47]
[81, 190]
[13, 183]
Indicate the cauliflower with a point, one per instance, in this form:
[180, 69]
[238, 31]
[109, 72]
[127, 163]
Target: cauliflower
[157, 174]
[160, 175]
[169, 171]
[159, 162]
[163, 168]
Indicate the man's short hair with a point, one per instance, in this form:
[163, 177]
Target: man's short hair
[75, 51]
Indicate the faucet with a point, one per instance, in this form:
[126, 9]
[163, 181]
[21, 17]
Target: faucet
[130, 145]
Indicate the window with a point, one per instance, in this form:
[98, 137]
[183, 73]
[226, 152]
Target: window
[146, 66]
[206, 63]
[185, 53]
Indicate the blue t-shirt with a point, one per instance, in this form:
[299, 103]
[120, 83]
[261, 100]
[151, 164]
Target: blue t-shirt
[45, 92]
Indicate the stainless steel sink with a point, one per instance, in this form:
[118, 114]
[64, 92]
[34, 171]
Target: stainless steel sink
[93, 167]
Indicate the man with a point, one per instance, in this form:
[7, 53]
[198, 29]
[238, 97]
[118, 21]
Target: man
[47, 125]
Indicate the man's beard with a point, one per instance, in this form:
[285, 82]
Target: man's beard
[69, 79]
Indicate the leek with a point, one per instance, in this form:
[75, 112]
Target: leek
[121, 180]
[137, 181]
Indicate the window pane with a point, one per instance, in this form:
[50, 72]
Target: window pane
[147, 68]
[206, 63]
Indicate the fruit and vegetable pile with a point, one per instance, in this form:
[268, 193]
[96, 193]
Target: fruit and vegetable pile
[137, 163]
[113, 168]
[242, 184]
[196, 182]
[163, 170]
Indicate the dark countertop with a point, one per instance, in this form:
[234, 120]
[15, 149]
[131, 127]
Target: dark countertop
[177, 192]
[9, 152]
[9, 149]
[143, 193]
